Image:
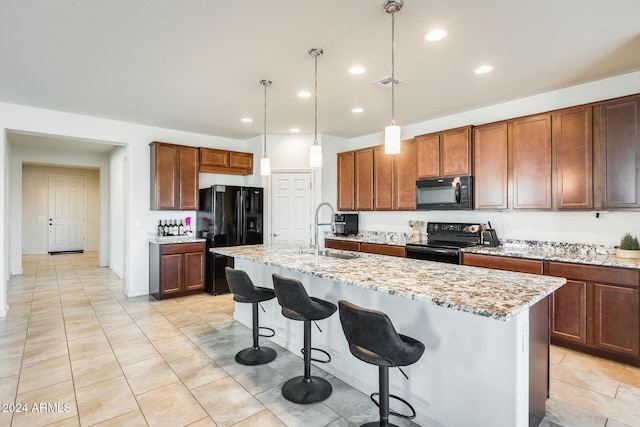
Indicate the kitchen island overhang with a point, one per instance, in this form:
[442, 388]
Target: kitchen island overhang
[485, 331]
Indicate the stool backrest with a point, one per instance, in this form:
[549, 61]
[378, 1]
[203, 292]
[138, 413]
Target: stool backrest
[239, 282]
[369, 329]
[292, 295]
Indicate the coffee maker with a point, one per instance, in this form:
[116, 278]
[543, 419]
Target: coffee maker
[346, 224]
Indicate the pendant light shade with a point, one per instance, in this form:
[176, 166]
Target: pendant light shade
[265, 163]
[315, 151]
[392, 136]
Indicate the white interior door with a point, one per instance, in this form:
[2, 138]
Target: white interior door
[291, 208]
[66, 213]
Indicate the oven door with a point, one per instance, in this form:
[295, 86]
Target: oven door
[450, 255]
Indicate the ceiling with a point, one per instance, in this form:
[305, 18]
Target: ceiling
[194, 65]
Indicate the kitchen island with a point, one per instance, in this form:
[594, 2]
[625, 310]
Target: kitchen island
[485, 331]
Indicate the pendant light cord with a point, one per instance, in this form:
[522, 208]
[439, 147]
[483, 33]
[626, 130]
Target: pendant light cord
[265, 83]
[393, 69]
[315, 137]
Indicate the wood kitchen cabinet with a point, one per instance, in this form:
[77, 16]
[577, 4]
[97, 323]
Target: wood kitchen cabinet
[490, 164]
[443, 154]
[568, 315]
[345, 245]
[363, 179]
[174, 177]
[224, 161]
[616, 313]
[394, 178]
[371, 248]
[617, 153]
[176, 269]
[520, 265]
[530, 159]
[346, 181]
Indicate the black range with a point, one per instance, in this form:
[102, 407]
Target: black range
[445, 241]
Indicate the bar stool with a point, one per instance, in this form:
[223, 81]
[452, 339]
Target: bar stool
[373, 339]
[298, 305]
[244, 291]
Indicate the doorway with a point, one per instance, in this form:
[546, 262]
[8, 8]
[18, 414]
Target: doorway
[291, 204]
[66, 213]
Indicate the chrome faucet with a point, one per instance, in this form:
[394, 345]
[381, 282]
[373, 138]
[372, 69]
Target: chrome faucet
[316, 249]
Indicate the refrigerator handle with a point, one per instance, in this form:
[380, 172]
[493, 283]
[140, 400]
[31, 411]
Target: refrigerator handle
[243, 215]
[239, 222]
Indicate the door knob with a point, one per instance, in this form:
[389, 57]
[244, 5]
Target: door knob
[275, 234]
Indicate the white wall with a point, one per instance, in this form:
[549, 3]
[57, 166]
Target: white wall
[5, 248]
[118, 210]
[574, 227]
[35, 201]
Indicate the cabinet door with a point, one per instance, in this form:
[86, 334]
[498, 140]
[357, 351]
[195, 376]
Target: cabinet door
[194, 271]
[573, 148]
[374, 248]
[490, 166]
[569, 312]
[616, 317]
[347, 245]
[171, 274]
[213, 157]
[428, 156]
[189, 178]
[382, 179]
[165, 178]
[455, 152]
[363, 171]
[404, 177]
[618, 133]
[346, 184]
[530, 147]
[241, 161]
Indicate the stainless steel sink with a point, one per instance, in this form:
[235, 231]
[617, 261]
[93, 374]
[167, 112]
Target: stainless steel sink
[338, 255]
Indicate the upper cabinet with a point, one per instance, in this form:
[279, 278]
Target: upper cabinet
[573, 158]
[346, 187]
[446, 153]
[617, 153]
[174, 177]
[224, 161]
[490, 165]
[363, 179]
[530, 152]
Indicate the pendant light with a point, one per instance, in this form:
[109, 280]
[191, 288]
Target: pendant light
[392, 132]
[315, 151]
[265, 163]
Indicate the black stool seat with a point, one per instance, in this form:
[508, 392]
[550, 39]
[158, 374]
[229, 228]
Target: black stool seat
[244, 291]
[373, 339]
[298, 305]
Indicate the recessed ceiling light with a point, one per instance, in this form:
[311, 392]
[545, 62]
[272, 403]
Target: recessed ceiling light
[356, 69]
[435, 35]
[294, 130]
[304, 94]
[246, 120]
[357, 110]
[483, 69]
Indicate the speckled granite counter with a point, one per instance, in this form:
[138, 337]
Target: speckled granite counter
[168, 240]
[489, 293]
[392, 239]
[561, 252]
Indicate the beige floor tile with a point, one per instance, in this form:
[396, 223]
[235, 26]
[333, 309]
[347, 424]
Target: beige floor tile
[90, 346]
[45, 349]
[118, 334]
[197, 370]
[262, 419]
[183, 318]
[59, 401]
[628, 393]
[566, 415]
[130, 419]
[84, 331]
[171, 405]
[103, 401]
[8, 389]
[614, 423]
[584, 379]
[255, 379]
[10, 366]
[226, 402]
[134, 351]
[585, 363]
[160, 330]
[176, 347]
[205, 422]
[69, 422]
[149, 374]
[630, 376]
[12, 345]
[147, 316]
[45, 373]
[95, 369]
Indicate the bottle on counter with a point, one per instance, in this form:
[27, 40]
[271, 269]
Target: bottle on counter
[160, 228]
[165, 228]
[180, 229]
[174, 228]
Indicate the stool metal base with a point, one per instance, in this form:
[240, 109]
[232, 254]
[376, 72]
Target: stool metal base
[301, 390]
[378, 424]
[255, 356]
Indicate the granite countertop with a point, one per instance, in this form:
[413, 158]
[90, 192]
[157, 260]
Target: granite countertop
[168, 240]
[490, 293]
[378, 238]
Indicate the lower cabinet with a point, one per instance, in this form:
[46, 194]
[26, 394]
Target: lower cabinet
[344, 245]
[176, 269]
[616, 312]
[569, 312]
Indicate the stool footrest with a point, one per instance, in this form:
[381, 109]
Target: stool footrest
[406, 417]
[328, 359]
[273, 333]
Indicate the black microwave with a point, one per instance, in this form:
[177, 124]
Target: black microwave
[454, 193]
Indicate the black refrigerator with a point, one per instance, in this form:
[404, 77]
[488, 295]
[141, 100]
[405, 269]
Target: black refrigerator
[228, 216]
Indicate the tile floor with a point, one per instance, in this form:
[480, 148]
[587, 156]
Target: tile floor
[76, 351]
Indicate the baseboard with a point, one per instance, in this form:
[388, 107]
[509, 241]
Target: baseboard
[81, 251]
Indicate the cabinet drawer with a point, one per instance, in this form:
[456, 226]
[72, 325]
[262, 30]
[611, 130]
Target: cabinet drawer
[503, 263]
[619, 276]
[182, 248]
[374, 248]
[345, 245]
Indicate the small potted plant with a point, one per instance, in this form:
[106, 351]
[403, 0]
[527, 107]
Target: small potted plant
[629, 247]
